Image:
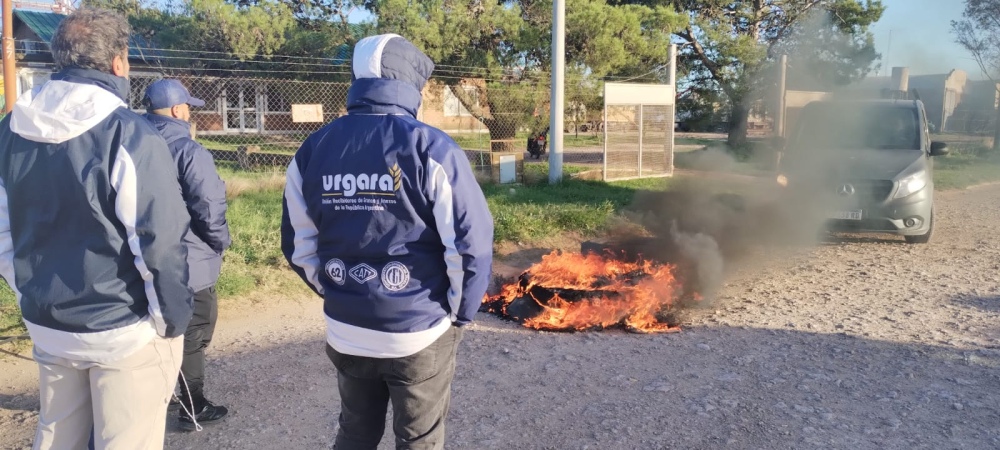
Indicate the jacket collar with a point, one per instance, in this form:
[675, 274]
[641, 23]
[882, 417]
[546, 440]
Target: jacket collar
[171, 128]
[382, 96]
[114, 84]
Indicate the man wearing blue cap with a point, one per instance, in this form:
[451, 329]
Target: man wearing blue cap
[168, 104]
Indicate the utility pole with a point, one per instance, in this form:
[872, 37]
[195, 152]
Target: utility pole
[779, 115]
[9, 82]
[557, 106]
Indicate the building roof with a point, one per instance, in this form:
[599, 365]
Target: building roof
[44, 24]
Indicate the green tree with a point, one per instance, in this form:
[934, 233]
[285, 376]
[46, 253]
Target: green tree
[733, 45]
[214, 34]
[211, 27]
[322, 29]
[314, 13]
[495, 56]
[979, 32]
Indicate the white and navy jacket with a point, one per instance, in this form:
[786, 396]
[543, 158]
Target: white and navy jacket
[383, 216]
[91, 220]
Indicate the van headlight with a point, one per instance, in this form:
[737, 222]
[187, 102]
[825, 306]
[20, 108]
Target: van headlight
[911, 184]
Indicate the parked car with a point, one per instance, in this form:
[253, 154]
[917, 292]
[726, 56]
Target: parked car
[863, 166]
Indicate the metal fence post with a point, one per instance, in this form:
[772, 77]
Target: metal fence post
[604, 119]
[640, 139]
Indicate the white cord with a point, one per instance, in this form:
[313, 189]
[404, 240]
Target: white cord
[197, 426]
[190, 413]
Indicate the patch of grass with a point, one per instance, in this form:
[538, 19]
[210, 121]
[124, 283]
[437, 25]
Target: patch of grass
[254, 223]
[239, 182]
[696, 141]
[535, 212]
[268, 144]
[648, 184]
[254, 265]
[538, 172]
[582, 140]
[10, 313]
[961, 171]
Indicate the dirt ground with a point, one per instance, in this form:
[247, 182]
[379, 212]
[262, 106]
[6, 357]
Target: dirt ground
[859, 343]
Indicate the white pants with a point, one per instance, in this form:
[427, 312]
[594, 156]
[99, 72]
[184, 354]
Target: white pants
[124, 402]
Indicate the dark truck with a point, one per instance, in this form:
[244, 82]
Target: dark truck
[862, 166]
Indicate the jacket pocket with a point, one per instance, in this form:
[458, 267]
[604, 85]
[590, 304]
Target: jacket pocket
[354, 366]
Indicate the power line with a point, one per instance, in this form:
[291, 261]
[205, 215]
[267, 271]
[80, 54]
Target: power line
[443, 71]
[325, 61]
[660, 67]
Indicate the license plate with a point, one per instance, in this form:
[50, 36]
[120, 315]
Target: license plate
[847, 215]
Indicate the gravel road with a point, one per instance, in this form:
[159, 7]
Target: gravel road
[858, 343]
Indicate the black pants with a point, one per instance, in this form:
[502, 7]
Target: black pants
[196, 339]
[419, 387]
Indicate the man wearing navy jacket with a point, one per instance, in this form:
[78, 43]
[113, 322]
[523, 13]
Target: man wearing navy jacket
[383, 218]
[169, 110]
[91, 222]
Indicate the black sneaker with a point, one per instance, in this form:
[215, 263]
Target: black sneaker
[174, 404]
[209, 415]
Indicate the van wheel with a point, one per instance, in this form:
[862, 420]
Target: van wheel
[923, 238]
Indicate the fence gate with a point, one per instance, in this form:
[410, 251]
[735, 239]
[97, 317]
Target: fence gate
[638, 130]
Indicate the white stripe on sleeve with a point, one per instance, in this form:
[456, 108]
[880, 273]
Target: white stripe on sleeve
[444, 215]
[306, 234]
[7, 244]
[124, 182]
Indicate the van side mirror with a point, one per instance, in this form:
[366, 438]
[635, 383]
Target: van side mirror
[939, 148]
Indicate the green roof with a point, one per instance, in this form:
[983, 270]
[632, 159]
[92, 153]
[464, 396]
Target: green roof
[41, 23]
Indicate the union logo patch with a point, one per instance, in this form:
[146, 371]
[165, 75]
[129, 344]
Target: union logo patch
[336, 270]
[362, 273]
[395, 276]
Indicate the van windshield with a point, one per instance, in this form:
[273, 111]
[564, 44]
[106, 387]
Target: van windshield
[854, 127]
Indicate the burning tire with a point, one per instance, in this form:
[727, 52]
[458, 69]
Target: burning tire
[577, 292]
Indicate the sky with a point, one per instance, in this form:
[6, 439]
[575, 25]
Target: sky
[921, 38]
[912, 33]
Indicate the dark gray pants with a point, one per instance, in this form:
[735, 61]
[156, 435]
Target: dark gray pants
[419, 387]
[197, 337]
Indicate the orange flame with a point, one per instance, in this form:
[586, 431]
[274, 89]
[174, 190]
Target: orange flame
[617, 293]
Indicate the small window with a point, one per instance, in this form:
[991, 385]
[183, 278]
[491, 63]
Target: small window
[453, 107]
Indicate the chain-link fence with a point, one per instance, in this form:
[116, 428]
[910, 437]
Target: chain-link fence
[490, 119]
[248, 122]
